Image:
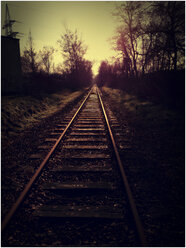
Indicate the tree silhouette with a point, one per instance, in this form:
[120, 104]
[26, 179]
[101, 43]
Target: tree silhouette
[29, 58]
[46, 55]
[168, 19]
[128, 33]
[73, 51]
[150, 36]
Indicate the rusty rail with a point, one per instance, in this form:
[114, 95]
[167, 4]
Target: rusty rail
[28, 187]
[24, 193]
[138, 223]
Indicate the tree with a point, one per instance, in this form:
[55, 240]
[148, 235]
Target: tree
[103, 73]
[151, 35]
[123, 46]
[46, 55]
[129, 15]
[29, 57]
[171, 30]
[86, 74]
[73, 51]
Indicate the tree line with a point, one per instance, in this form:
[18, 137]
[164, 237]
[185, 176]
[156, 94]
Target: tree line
[150, 42]
[38, 67]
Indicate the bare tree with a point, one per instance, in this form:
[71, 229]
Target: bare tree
[72, 49]
[46, 55]
[173, 29]
[129, 15]
[75, 65]
[151, 35]
[29, 57]
[165, 35]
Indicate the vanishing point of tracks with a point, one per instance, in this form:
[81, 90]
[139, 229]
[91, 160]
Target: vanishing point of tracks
[80, 187]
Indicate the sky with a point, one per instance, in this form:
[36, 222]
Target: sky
[47, 20]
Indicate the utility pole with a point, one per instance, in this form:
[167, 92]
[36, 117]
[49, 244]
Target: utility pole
[8, 24]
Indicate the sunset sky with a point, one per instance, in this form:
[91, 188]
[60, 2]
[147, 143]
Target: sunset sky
[93, 20]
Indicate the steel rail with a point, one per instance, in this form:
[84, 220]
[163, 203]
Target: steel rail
[138, 223]
[24, 193]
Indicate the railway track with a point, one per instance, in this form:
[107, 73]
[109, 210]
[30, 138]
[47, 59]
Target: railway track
[79, 195]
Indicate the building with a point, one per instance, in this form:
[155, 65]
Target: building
[10, 64]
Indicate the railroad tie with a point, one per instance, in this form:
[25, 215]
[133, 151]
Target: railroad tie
[79, 212]
[79, 186]
[82, 169]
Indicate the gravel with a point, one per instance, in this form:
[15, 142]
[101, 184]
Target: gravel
[27, 230]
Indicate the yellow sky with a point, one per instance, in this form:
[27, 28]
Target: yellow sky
[46, 19]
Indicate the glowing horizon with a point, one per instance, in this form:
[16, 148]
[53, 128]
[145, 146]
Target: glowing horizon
[46, 20]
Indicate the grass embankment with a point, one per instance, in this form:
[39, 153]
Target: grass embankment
[155, 165]
[160, 127]
[21, 112]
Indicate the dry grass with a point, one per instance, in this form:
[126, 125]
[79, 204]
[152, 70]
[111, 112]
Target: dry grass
[156, 166]
[19, 113]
